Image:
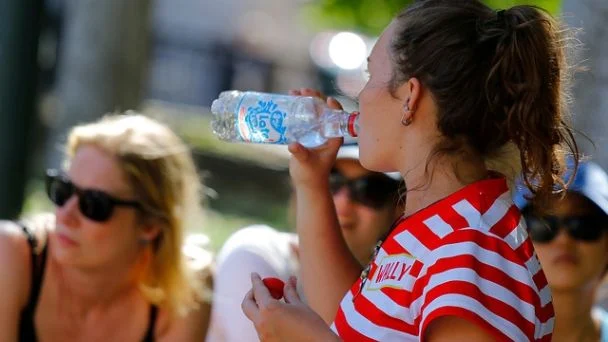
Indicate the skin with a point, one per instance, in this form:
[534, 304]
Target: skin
[362, 226]
[574, 270]
[90, 288]
[385, 145]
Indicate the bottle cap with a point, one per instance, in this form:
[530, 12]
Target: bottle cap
[353, 127]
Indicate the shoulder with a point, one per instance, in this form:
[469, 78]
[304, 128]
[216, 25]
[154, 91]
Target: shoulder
[191, 327]
[15, 260]
[485, 255]
[477, 276]
[260, 240]
[15, 249]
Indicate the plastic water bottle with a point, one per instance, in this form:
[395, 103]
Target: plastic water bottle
[279, 119]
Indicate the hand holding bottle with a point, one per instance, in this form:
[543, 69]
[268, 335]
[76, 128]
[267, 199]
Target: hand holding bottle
[310, 168]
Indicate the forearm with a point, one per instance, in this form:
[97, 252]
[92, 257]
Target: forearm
[328, 268]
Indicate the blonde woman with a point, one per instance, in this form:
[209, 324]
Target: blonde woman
[112, 267]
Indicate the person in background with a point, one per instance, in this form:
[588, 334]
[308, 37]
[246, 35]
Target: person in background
[366, 204]
[459, 97]
[109, 265]
[572, 245]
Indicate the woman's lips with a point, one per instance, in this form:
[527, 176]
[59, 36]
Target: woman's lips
[566, 258]
[65, 240]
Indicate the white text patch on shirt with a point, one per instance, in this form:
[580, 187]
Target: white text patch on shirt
[392, 271]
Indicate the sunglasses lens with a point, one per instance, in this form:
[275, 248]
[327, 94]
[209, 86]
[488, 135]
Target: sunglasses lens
[583, 228]
[364, 192]
[587, 228]
[58, 190]
[336, 182]
[541, 230]
[96, 205]
[373, 191]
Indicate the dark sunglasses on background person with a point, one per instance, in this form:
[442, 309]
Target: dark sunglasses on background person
[588, 228]
[95, 205]
[373, 190]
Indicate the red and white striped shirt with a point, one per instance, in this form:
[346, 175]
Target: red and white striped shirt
[467, 255]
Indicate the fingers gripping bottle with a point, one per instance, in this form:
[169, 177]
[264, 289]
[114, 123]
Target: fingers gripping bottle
[279, 119]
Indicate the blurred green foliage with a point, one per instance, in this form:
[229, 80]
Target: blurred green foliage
[371, 16]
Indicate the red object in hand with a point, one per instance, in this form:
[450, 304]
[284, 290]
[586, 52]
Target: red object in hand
[275, 286]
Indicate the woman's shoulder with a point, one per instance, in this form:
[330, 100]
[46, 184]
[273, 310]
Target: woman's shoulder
[15, 245]
[261, 240]
[15, 260]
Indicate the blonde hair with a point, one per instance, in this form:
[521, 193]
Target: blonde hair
[161, 171]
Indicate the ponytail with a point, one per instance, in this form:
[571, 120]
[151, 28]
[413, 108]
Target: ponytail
[526, 83]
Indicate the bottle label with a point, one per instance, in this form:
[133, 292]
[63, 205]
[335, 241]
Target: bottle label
[261, 118]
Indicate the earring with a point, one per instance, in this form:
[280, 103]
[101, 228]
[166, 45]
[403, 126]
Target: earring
[408, 113]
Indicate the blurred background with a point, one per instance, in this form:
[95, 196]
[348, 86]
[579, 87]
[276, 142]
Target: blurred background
[63, 62]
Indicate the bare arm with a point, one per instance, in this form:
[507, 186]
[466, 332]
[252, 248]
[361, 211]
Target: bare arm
[14, 278]
[452, 328]
[328, 268]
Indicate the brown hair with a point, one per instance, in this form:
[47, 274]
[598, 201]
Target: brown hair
[498, 79]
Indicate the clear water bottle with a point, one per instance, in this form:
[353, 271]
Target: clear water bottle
[279, 119]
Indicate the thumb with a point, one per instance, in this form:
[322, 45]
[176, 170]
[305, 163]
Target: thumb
[333, 103]
[289, 292]
[334, 144]
[298, 151]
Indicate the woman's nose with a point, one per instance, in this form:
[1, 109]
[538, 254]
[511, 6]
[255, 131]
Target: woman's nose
[67, 213]
[342, 199]
[563, 237]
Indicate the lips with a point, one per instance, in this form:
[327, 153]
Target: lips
[566, 258]
[65, 240]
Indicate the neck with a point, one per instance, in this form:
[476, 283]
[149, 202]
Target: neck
[573, 316]
[99, 287]
[444, 176]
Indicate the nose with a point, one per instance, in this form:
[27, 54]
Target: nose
[563, 237]
[67, 214]
[342, 201]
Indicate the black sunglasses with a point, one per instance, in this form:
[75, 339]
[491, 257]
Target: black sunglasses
[374, 190]
[95, 205]
[583, 228]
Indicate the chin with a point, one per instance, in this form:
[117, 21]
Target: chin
[368, 160]
[566, 283]
[63, 255]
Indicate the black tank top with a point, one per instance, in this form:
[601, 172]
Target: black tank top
[27, 331]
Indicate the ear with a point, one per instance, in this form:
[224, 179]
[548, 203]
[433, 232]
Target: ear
[415, 89]
[411, 91]
[150, 230]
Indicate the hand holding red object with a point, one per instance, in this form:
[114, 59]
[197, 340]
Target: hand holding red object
[275, 286]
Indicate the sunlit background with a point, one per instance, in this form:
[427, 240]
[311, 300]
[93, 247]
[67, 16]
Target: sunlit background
[63, 62]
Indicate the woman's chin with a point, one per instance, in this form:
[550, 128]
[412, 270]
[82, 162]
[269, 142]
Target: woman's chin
[566, 283]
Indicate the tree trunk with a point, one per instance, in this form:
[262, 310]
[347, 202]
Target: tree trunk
[103, 65]
[19, 31]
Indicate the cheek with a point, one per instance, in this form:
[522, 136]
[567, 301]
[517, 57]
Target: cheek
[117, 234]
[595, 256]
[373, 223]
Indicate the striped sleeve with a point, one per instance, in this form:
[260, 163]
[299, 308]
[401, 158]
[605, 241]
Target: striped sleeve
[477, 276]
